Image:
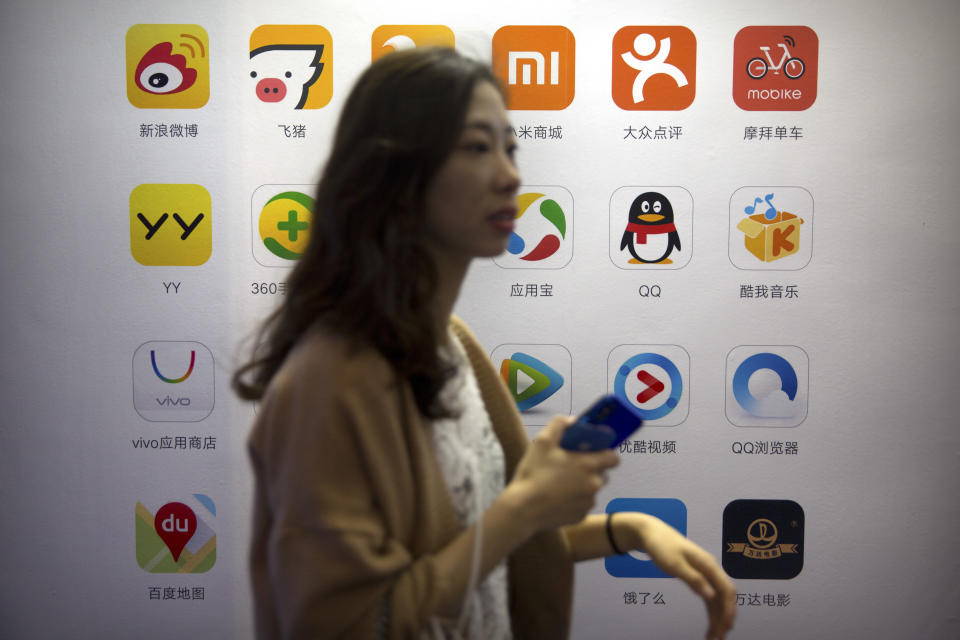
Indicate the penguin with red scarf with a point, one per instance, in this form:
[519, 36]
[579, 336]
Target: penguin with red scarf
[651, 235]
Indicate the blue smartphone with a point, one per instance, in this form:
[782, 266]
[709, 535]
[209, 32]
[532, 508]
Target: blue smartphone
[607, 423]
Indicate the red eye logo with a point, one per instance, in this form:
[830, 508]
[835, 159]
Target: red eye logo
[162, 71]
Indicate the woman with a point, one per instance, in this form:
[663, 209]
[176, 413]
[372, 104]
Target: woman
[397, 494]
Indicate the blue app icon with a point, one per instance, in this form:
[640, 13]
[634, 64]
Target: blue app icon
[530, 380]
[636, 564]
[651, 403]
[774, 405]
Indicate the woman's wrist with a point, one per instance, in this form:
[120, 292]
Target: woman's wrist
[519, 505]
[629, 530]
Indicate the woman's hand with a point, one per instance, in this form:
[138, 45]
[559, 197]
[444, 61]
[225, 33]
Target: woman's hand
[557, 486]
[680, 557]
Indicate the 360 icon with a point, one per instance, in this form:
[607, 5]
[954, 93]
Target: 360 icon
[282, 217]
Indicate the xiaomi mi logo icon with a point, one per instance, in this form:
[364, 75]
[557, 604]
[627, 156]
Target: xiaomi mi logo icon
[170, 225]
[536, 65]
[391, 37]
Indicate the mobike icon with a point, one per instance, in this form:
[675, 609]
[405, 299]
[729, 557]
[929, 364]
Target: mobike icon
[775, 68]
[651, 380]
[168, 66]
[763, 539]
[542, 238]
[291, 65]
[173, 381]
[393, 37]
[651, 227]
[536, 64]
[170, 224]
[767, 386]
[281, 220]
[771, 228]
[636, 564]
[537, 376]
[176, 536]
[654, 68]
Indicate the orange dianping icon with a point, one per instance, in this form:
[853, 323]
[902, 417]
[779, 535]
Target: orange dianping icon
[391, 37]
[654, 68]
[291, 65]
[536, 64]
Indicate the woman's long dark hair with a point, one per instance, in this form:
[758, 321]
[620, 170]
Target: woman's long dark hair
[365, 273]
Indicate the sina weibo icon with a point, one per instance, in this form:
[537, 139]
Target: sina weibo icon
[162, 71]
[167, 66]
[550, 242]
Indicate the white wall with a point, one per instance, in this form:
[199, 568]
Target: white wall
[876, 453]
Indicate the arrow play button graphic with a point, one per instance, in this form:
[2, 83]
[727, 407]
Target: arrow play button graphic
[654, 386]
[529, 380]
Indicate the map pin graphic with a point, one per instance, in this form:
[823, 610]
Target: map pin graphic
[175, 523]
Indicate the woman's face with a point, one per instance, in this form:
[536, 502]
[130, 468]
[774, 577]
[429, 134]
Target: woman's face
[472, 200]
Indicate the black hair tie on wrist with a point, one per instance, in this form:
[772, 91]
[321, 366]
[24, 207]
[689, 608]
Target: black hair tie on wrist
[613, 544]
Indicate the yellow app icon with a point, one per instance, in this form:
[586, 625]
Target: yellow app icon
[393, 37]
[170, 225]
[291, 65]
[168, 66]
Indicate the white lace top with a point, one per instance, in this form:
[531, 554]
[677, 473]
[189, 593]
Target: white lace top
[472, 463]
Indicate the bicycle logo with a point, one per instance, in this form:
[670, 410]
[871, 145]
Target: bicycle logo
[792, 67]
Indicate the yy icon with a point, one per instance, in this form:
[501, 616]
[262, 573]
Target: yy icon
[170, 225]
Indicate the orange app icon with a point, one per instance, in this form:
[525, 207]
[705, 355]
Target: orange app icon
[654, 68]
[392, 37]
[775, 68]
[536, 65]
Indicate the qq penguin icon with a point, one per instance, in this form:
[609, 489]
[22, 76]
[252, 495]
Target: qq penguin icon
[651, 227]
[767, 386]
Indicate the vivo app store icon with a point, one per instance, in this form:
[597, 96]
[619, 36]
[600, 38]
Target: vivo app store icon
[173, 381]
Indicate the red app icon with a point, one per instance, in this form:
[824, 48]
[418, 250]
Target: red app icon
[775, 68]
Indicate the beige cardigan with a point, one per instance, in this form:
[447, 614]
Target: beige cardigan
[350, 504]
